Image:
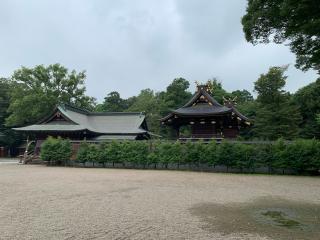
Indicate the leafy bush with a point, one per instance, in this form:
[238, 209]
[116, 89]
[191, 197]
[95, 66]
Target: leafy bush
[209, 153]
[56, 151]
[166, 153]
[226, 154]
[302, 155]
[244, 156]
[299, 155]
[82, 153]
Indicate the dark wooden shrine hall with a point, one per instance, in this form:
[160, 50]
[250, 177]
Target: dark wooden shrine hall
[206, 118]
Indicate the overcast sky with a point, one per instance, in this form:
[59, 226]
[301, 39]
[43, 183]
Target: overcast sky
[129, 45]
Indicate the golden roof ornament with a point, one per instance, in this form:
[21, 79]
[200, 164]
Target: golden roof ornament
[229, 101]
[209, 87]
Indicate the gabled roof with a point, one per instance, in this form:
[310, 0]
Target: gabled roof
[208, 106]
[198, 94]
[77, 119]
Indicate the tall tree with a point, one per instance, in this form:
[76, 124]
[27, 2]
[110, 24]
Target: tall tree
[37, 90]
[294, 21]
[177, 93]
[148, 102]
[276, 115]
[308, 100]
[7, 136]
[243, 96]
[112, 103]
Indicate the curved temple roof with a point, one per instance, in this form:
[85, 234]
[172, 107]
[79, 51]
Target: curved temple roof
[207, 107]
[102, 123]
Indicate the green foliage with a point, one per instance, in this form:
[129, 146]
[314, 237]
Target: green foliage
[8, 137]
[113, 152]
[135, 152]
[293, 21]
[276, 115]
[244, 156]
[299, 155]
[269, 86]
[264, 156]
[56, 150]
[308, 100]
[177, 93]
[279, 151]
[209, 153]
[218, 91]
[82, 152]
[36, 91]
[242, 96]
[112, 103]
[150, 103]
[302, 155]
[168, 153]
[226, 154]
[193, 152]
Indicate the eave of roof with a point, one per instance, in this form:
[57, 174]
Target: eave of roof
[50, 128]
[100, 123]
[202, 110]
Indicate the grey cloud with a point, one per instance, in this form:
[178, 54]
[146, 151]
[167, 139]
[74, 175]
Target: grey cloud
[130, 45]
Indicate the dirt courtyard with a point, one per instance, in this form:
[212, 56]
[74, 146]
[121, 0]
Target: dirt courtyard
[38, 202]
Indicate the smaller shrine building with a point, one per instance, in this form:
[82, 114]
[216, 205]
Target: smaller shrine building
[207, 118]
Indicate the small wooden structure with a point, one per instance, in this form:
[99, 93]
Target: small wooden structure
[206, 117]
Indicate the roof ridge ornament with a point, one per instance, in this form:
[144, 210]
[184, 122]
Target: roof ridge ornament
[208, 86]
[228, 101]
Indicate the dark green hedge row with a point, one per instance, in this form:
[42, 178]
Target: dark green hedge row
[56, 151]
[299, 155]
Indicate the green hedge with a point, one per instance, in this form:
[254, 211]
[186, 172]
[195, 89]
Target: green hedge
[56, 151]
[299, 155]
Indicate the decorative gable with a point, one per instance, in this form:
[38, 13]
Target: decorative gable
[57, 118]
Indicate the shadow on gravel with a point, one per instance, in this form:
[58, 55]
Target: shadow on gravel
[271, 217]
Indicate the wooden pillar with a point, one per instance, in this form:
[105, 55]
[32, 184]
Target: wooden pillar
[84, 135]
[177, 132]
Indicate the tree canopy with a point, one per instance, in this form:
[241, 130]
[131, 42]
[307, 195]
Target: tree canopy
[276, 115]
[177, 93]
[112, 103]
[308, 100]
[36, 91]
[294, 22]
[7, 136]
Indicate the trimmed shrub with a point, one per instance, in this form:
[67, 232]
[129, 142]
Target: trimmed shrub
[154, 153]
[299, 155]
[113, 152]
[56, 151]
[244, 157]
[302, 155]
[226, 154]
[166, 153]
[193, 152]
[209, 154]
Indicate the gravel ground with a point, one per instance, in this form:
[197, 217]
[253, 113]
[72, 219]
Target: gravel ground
[39, 202]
